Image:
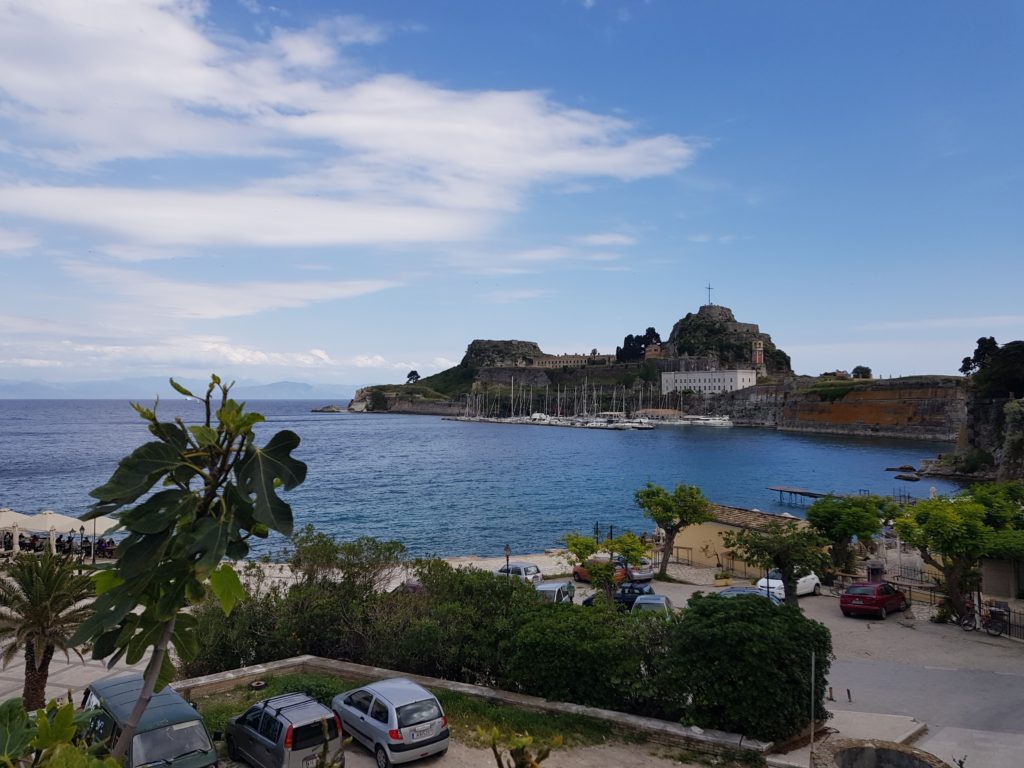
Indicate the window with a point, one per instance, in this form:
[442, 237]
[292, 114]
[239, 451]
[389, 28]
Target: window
[312, 734]
[251, 718]
[420, 712]
[270, 728]
[379, 711]
[360, 700]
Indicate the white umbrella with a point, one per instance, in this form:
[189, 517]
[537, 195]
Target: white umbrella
[102, 525]
[8, 518]
[48, 519]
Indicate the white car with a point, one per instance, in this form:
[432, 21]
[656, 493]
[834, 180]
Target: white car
[556, 591]
[527, 572]
[806, 584]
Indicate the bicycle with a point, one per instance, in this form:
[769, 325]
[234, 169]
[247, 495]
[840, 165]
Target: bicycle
[840, 582]
[993, 621]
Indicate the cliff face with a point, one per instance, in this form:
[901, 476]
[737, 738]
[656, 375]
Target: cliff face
[932, 408]
[714, 332]
[486, 353]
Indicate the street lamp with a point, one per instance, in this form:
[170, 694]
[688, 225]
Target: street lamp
[81, 541]
[508, 554]
[570, 590]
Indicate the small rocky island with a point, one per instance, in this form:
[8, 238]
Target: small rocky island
[329, 409]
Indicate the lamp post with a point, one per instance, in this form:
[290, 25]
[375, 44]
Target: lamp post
[570, 589]
[94, 541]
[508, 554]
[81, 541]
[71, 542]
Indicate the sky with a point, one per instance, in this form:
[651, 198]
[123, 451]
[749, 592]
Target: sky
[347, 191]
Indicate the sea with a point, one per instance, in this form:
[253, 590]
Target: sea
[453, 488]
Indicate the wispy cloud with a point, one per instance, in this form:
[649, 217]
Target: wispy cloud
[11, 241]
[704, 237]
[397, 159]
[607, 238]
[210, 301]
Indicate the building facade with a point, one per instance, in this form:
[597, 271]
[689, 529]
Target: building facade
[707, 382]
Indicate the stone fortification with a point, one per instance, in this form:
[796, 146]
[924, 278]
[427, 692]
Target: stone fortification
[928, 408]
[488, 353]
[713, 332]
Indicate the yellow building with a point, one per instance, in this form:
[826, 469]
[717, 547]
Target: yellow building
[702, 544]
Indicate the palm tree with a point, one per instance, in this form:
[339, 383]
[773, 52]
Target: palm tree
[42, 602]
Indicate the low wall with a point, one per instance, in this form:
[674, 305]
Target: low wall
[660, 731]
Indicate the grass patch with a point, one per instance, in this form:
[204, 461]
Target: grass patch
[217, 708]
[467, 713]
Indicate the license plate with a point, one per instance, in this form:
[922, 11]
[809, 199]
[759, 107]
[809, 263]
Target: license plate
[857, 602]
[309, 762]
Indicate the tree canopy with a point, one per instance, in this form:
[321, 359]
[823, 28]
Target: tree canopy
[412, 377]
[785, 546]
[839, 519]
[633, 347]
[672, 512]
[861, 372]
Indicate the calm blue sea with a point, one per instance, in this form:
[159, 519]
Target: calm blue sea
[449, 488]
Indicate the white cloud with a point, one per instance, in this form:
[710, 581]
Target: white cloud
[210, 301]
[607, 238]
[171, 218]
[30, 362]
[397, 159]
[443, 363]
[199, 350]
[16, 241]
[378, 361]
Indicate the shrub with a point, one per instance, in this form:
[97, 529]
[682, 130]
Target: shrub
[745, 666]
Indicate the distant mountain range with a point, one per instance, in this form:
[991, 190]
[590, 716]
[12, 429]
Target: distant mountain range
[150, 387]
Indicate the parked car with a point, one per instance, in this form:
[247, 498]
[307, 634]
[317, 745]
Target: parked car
[625, 595]
[581, 572]
[527, 572]
[556, 591]
[411, 586]
[396, 719]
[285, 731]
[171, 732]
[757, 592]
[806, 584]
[642, 571]
[878, 599]
[652, 603]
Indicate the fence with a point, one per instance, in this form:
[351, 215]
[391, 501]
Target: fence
[717, 560]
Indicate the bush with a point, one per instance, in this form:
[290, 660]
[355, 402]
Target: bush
[745, 666]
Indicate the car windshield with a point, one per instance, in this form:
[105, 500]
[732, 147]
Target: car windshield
[312, 734]
[164, 745]
[645, 606]
[530, 570]
[419, 712]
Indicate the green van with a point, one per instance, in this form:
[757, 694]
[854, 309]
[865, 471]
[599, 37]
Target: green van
[170, 731]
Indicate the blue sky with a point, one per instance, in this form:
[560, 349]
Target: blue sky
[344, 191]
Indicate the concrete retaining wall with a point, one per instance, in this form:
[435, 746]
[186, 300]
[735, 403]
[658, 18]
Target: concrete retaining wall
[660, 731]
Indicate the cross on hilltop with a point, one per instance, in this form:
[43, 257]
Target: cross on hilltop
[708, 286]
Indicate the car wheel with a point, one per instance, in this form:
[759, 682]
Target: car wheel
[817, 590]
[847, 614]
[576, 576]
[904, 604]
[232, 749]
[882, 613]
[382, 757]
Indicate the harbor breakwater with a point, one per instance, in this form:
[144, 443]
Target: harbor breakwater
[921, 408]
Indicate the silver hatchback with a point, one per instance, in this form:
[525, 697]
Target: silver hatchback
[283, 732]
[397, 720]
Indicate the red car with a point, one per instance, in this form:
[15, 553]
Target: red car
[580, 573]
[878, 599]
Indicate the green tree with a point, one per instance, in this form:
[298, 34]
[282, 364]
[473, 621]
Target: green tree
[839, 519]
[42, 602]
[412, 377]
[987, 346]
[784, 546]
[861, 372]
[217, 488]
[378, 401]
[768, 647]
[672, 512]
[951, 535]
